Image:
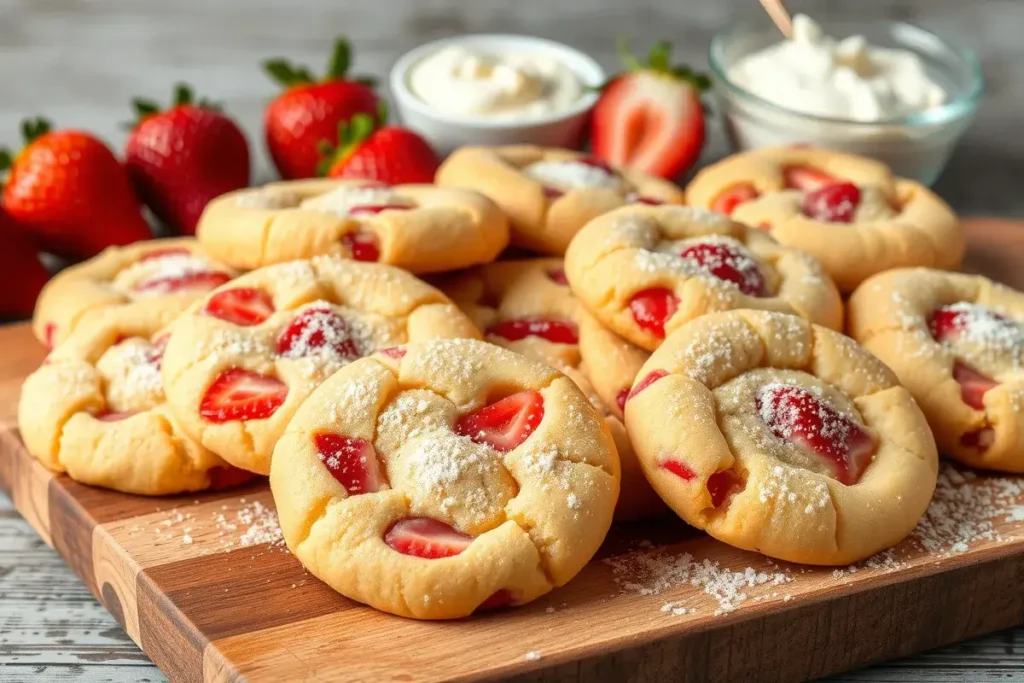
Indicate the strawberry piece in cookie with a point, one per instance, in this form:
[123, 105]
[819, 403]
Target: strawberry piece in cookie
[195, 281]
[363, 246]
[973, 385]
[652, 308]
[243, 306]
[318, 328]
[727, 202]
[242, 395]
[832, 203]
[351, 461]
[728, 262]
[555, 331]
[426, 538]
[795, 415]
[806, 178]
[505, 424]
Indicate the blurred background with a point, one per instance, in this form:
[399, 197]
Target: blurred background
[79, 63]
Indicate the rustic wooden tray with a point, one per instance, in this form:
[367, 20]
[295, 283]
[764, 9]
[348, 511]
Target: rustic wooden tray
[205, 586]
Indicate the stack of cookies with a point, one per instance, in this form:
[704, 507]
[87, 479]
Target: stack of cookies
[439, 449]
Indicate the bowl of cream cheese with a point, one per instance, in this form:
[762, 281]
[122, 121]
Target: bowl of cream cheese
[491, 89]
[888, 90]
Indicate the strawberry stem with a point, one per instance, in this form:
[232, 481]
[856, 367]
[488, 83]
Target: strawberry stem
[337, 67]
[351, 134]
[659, 60]
[182, 95]
[5, 159]
[34, 128]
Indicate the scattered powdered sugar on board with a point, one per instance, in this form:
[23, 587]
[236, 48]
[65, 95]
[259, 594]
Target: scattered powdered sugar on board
[252, 524]
[261, 526]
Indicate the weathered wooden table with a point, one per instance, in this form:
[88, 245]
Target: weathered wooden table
[80, 64]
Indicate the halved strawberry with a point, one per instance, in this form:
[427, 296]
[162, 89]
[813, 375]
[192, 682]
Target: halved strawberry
[727, 202]
[652, 377]
[242, 395]
[650, 118]
[316, 328]
[835, 203]
[730, 263]
[555, 331]
[973, 385]
[197, 281]
[806, 178]
[426, 538]
[652, 308]
[505, 424]
[351, 461]
[363, 245]
[796, 415]
[243, 306]
[679, 469]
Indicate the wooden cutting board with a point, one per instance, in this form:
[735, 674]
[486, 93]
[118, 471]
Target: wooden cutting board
[204, 585]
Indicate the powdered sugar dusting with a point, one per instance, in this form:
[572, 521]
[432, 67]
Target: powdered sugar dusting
[573, 175]
[267, 198]
[342, 200]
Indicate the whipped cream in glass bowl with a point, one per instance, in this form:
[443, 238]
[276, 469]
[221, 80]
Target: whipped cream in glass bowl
[887, 90]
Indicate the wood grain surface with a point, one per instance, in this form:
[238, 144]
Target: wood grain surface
[207, 600]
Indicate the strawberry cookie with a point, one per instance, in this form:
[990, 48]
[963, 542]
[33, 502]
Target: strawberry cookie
[647, 270]
[443, 478]
[526, 306]
[241, 361]
[957, 343]
[421, 228]
[96, 410]
[849, 212]
[782, 437]
[161, 277]
[548, 193]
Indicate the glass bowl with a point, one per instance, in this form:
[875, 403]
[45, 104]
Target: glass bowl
[915, 146]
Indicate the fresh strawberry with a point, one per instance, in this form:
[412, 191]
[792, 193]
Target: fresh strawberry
[242, 395]
[243, 306]
[182, 157]
[426, 538]
[390, 154]
[310, 110]
[21, 267]
[554, 331]
[351, 461]
[650, 118]
[70, 193]
[505, 424]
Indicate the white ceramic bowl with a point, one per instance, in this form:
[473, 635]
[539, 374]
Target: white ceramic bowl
[447, 131]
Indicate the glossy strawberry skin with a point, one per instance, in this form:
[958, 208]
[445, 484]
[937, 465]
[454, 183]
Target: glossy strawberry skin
[72, 196]
[297, 120]
[182, 158]
[391, 155]
[20, 264]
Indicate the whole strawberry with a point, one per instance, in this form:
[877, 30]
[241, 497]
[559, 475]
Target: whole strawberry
[650, 118]
[182, 157]
[69, 192]
[21, 269]
[389, 154]
[310, 109]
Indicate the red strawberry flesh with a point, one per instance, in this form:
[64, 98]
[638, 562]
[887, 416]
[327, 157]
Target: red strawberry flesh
[721, 485]
[504, 424]
[652, 377]
[727, 202]
[973, 385]
[244, 306]
[396, 352]
[557, 275]
[502, 597]
[196, 281]
[228, 477]
[729, 263]
[427, 538]
[806, 178]
[363, 246]
[317, 328]
[679, 469]
[378, 208]
[554, 331]
[351, 461]
[240, 395]
[833, 203]
[652, 308]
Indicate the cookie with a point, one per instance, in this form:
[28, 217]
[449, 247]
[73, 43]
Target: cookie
[162, 276]
[241, 361]
[526, 306]
[644, 271]
[849, 212]
[957, 343]
[445, 478]
[549, 193]
[96, 410]
[782, 437]
[420, 228]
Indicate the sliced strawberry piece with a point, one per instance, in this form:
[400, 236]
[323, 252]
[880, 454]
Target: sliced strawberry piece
[723, 484]
[396, 352]
[363, 246]
[377, 208]
[949, 322]
[426, 538]
[727, 202]
[50, 335]
[505, 424]
[973, 385]
[650, 118]
[679, 469]
[502, 597]
[729, 263]
[557, 275]
[243, 306]
[652, 377]
[833, 203]
[161, 253]
[351, 461]
[981, 439]
[652, 308]
[795, 415]
[806, 178]
[318, 328]
[197, 281]
[649, 201]
[228, 477]
[554, 331]
[242, 395]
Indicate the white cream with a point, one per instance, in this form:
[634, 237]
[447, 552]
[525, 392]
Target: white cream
[511, 86]
[844, 79]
